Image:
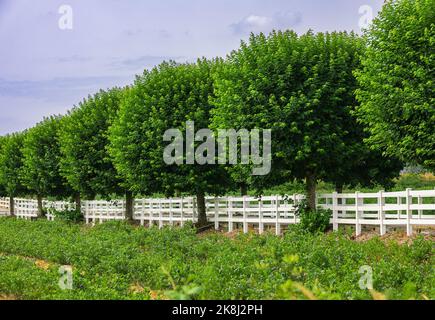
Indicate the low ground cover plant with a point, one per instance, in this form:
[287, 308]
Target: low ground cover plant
[313, 221]
[118, 261]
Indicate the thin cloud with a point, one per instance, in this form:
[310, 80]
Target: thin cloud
[73, 58]
[257, 23]
[57, 87]
[146, 61]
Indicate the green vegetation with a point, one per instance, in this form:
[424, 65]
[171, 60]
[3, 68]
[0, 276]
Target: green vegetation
[414, 181]
[40, 172]
[301, 87]
[313, 221]
[117, 261]
[11, 162]
[396, 81]
[68, 214]
[346, 113]
[85, 162]
[166, 98]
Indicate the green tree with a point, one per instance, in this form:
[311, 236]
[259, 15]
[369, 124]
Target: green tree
[397, 81]
[166, 98]
[367, 168]
[11, 162]
[300, 87]
[85, 161]
[360, 164]
[40, 172]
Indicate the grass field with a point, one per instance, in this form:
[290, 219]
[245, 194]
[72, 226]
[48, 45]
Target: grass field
[119, 261]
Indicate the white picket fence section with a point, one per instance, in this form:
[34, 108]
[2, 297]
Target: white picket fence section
[4, 207]
[100, 210]
[273, 211]
[56, 205]
[405, 208]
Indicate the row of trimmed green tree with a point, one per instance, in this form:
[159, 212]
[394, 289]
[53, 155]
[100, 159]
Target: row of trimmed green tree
[343, 109]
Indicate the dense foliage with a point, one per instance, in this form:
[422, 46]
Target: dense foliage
[85, 161]
[397, 81]
[166, 98]
[117, 261]
[70, 214]
[307, 90]
[312, 221]
[11, 163]
[40, 172]
[301, 87]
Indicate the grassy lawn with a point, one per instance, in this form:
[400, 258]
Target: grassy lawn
[119, 261]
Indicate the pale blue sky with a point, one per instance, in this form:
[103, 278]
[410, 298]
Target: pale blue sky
[45, 70]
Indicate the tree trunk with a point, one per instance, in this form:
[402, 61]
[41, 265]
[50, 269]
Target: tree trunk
[311, 182]
[202, 216]
[40, 207]
[12, 206]
[243, 189]
[129, 205]
[78, 201]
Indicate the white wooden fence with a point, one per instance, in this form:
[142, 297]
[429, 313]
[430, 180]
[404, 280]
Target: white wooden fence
[383, 209]
[406, 208]
[273, 211]
[4, 207]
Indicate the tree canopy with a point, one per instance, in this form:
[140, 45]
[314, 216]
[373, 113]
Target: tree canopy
[342, 109]
[11, 163]
[85, 161]
[397, 81]
[166, 98]
[40, 172]
[41, 159]
[300, 87]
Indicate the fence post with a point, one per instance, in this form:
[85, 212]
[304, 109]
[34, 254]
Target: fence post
[194, 208]
[381, 213]
[100, 216]
[357, 224]
[277, 226]
[151, 213]
[90, 212]
[182, 211]
[216, 214]
[142, 213]
[260, 216]
[160, 214]
[294, 208]
[86, 212]
[399, 203]
[171, 216]
[408, 212]
[420, 201]
[230, 214]
[245, 223]
[335, 211]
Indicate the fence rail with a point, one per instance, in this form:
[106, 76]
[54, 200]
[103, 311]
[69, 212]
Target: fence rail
[405, 208]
